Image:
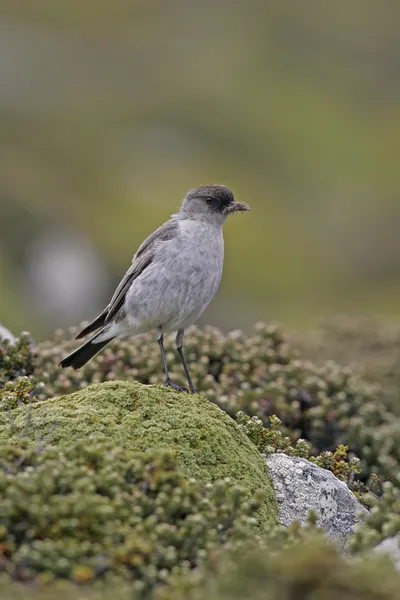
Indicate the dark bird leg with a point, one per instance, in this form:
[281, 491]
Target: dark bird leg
[179, 347]
[168, 380]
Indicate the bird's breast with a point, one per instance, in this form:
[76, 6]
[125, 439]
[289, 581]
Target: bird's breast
[201, 250]
[182, 280]
[195, 263]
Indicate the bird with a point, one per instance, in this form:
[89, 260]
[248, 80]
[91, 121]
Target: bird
[173, 277]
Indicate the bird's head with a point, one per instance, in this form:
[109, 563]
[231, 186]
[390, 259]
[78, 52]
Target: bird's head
[212, 203]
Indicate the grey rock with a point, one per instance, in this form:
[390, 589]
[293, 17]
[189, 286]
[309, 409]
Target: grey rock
[5, 334]
[391, 547]
[300, 486]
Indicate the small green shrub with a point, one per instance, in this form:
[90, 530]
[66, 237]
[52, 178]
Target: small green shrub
[16, 359]
[269, 439]
[382, 522]
[16, 392]
[370, 347]
[93, 511]
[310, 569]
[65, 590]
[385, 446]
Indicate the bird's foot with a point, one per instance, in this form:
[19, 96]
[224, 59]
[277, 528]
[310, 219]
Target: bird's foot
[171, 384]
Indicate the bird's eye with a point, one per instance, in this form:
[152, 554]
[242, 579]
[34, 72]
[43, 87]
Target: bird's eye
[209, 200]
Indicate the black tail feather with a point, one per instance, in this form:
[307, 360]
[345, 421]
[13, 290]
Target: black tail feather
[84, 353]
[96, 324]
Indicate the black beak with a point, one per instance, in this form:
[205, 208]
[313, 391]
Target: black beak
[236, 207]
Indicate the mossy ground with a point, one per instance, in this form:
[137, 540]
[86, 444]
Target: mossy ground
[310, 570]
[92, 513]
[208, 444]
[260, 375]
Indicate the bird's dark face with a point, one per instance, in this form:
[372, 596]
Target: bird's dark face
[211, 202]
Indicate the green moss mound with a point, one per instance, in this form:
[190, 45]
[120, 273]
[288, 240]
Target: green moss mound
[209, 445]
[93, 510]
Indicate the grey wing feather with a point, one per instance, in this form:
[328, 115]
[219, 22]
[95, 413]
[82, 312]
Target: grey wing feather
[117, 301]
[95, 324]
[142, 259]
[165, 233]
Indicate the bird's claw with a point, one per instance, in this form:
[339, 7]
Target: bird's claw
[171, 384]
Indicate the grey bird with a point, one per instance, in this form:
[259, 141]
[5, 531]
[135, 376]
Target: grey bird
[172, 279]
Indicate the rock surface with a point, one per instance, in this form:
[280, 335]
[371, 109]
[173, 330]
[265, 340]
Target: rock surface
[300, 486]
[391, 547]
[5, 334]
[209, 445]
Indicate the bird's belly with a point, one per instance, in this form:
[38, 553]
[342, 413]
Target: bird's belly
[173, 294]
[189, 298]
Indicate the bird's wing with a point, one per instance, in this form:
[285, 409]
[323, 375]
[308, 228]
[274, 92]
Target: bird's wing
[142, 259]
[95, 324]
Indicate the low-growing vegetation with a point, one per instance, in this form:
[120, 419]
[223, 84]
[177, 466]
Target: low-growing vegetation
[93, 510]
[103, 512]
[261, 374]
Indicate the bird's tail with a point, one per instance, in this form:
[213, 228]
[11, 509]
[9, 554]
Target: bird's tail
[84, 353]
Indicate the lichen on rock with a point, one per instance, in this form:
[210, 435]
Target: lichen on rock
[208, 444]
[301, 486]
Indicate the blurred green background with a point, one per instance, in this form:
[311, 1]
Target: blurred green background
[111, 111]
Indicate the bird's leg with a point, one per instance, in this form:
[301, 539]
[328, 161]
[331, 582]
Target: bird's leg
[179, 346]
[168, 380]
